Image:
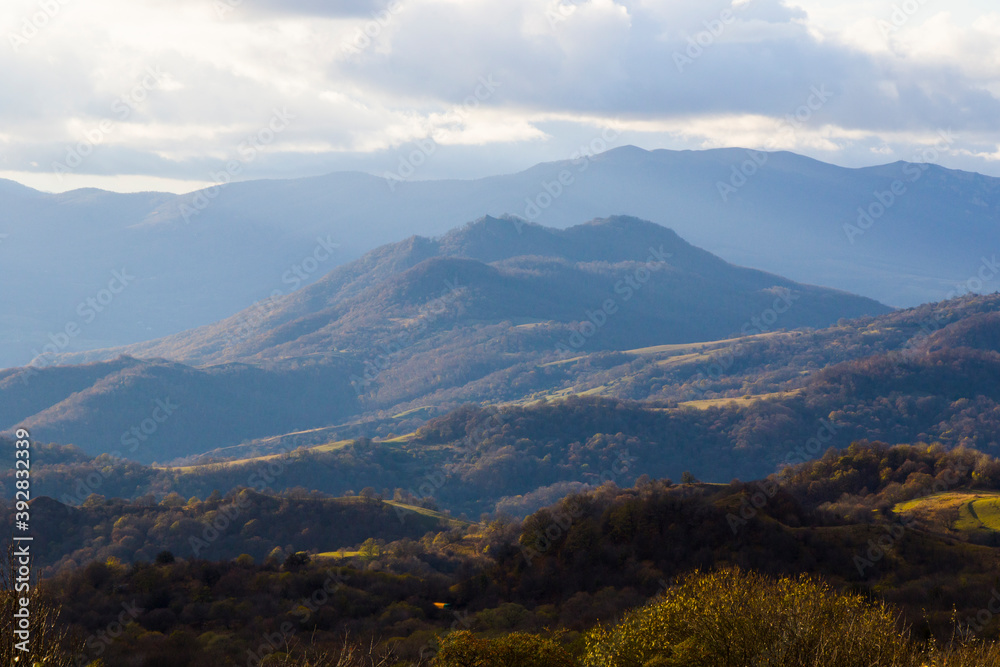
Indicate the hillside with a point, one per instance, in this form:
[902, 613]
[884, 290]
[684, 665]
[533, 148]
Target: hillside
[160, 410]
[672, 408]
[220, 528]
[480, 314]
[876, 380]
[560, 573]
[253, 238]
[504, 271]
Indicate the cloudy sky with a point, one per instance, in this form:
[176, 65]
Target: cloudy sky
[175, 94]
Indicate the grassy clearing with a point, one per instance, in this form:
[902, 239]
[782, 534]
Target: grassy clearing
[338, 554]
[423, 511]
[399, 439]
[962, 511]
[704, 404]
[328, 447]
[988, 512]
[681, 352]
[425, 409]
[564, 361]
[688, 348]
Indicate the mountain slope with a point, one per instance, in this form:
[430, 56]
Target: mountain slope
[425, 322]
[200, 257]
[158, 410]
[509, 273]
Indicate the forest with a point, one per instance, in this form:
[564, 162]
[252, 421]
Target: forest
[567, 580]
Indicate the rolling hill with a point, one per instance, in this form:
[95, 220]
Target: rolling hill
[160, 410]
[761, 403]
[486, 312]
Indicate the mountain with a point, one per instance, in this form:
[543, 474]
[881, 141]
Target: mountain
[159, 410]
[489, 312]
[193, 259]
[729, 409]
[636, 282]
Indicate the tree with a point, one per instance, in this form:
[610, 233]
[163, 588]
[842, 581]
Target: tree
[688, 478]
[371, 549]
[296, 561]
[173, 499]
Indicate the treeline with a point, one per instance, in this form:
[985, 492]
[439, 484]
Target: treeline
[580, 563]
[220, 527]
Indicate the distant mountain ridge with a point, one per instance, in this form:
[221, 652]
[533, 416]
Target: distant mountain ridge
[255, 238]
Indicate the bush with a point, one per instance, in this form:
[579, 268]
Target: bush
[734, 619]
[519, 649]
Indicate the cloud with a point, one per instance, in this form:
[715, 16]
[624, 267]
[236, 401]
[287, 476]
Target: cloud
[366, 77]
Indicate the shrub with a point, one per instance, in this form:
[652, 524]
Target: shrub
[733, 619]
[519, 649]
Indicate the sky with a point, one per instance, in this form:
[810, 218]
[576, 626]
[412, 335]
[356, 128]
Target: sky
[174, 95]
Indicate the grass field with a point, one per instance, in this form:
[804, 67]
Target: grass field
[688, 348]
[328, 447]
[739, 401]
[338, 554]
[422, 411]
[961, 511]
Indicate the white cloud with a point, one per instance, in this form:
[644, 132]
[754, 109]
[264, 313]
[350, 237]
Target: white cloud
[364, 78]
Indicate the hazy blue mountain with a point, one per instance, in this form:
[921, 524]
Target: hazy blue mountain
[193, 259]
[510, 273]
[159, 410]
[484, 313]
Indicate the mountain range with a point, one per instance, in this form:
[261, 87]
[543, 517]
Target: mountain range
[126, 268]
[489, 312]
